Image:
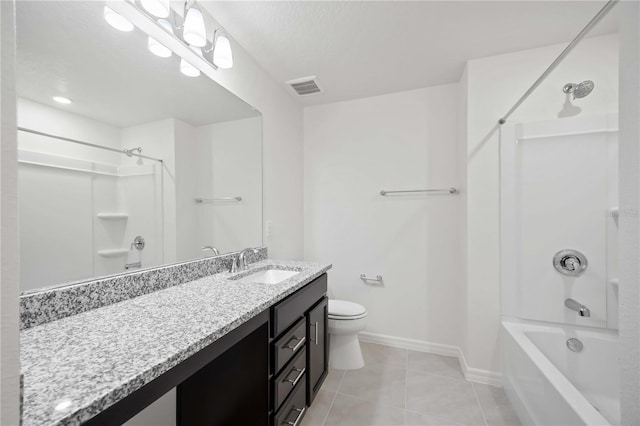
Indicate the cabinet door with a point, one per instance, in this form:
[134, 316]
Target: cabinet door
[318, 347]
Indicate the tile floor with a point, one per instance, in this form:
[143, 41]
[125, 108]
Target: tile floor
[402, 387]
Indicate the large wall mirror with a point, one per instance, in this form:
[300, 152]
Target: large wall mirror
[127, 159]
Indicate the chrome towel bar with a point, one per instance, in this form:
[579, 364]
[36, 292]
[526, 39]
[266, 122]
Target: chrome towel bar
[365, 278]
[451, 190]
[213, 200]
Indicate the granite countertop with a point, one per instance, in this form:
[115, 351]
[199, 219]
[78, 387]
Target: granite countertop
[77, 366]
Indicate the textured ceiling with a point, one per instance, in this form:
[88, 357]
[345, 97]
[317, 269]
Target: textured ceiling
[65, 48]
[359, 49]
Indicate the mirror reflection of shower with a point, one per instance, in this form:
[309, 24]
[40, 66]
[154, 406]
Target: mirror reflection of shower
[574, 91]
[98, 198]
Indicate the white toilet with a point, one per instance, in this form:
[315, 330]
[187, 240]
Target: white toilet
[346, 319]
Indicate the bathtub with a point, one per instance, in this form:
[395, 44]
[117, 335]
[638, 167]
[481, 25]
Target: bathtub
[548, 384]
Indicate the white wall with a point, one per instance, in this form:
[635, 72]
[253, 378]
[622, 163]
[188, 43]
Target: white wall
[629, 251]
[9, 257]
[354, 149]
[232, 153]
[494, 84]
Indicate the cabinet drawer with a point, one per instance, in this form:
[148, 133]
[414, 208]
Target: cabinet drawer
[288, 378]
[293, 307]
[289, 344]
[293, 410]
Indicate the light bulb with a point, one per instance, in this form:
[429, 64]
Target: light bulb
[158, 48]
[187, 69]
[194, 31]
[155, 46]
[158, 8]
[116, 20]
[222, 55]
[166, 25]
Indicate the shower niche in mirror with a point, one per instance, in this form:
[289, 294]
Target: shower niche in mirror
[115, 146]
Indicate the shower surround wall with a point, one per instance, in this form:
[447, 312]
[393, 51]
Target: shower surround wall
[559, 190]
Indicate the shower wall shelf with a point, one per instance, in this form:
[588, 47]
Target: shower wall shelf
[113, 216]
[113, 252]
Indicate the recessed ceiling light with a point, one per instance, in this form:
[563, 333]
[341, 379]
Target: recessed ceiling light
[62, 100]
[116, 20]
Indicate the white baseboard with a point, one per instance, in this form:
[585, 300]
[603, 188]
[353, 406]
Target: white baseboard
[476, 375]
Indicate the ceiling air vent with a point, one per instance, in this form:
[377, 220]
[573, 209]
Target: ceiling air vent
[305, 86]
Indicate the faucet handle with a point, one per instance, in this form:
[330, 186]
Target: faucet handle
[242, 257]
[234, 265]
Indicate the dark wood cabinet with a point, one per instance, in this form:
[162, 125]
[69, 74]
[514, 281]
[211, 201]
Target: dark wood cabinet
[299, 351]
[231, 390]
[318, 350]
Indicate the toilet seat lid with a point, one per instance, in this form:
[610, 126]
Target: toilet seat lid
[342, 308]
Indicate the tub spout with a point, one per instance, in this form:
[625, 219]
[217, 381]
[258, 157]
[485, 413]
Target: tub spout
[582, 310]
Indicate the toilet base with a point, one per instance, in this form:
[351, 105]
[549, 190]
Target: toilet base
[345, 352]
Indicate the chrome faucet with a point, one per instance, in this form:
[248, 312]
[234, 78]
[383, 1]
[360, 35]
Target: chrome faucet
[582, 310]
[240, 263]
[214, 250]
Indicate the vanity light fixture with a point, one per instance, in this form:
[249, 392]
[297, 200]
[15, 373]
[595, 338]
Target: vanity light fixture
[158, 8]
[194, 31]
[187, 69]
[158, 48]
[116, 20]
[62, 100]
[191, 28]
[222, 55]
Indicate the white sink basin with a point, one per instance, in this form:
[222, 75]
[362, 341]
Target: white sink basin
[269, 276]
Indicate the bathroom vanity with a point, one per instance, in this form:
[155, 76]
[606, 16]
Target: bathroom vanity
[238, 351]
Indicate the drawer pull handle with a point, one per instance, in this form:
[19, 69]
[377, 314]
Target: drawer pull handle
[295, 381]
[298, 417]
[316, 329]
[301, 342]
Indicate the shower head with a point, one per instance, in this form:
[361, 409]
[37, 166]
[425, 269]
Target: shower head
[579, 90]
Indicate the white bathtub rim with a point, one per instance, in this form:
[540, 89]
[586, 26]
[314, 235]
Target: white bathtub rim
[576, 400]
